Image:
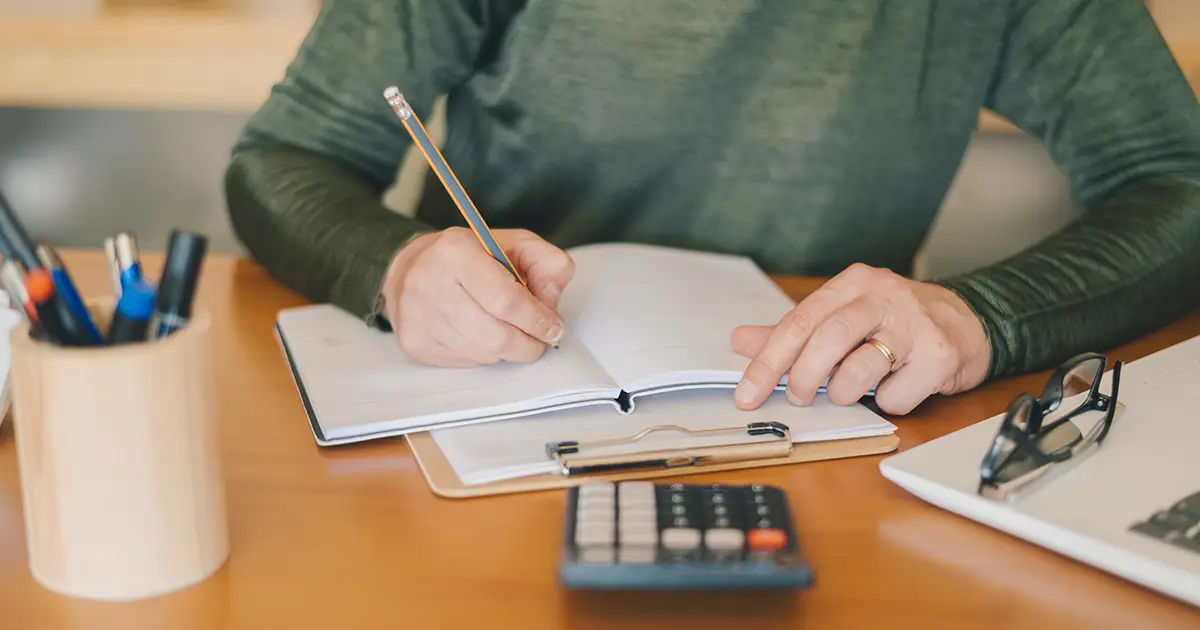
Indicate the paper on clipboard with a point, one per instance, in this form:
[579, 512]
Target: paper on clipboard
[512, 449]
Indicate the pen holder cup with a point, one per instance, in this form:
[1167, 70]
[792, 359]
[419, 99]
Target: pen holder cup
[119, 458]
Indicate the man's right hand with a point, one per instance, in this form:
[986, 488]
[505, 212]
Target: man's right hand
[452, 305]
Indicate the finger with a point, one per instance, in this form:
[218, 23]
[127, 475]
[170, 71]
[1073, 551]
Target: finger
[833, 339]
[487, 338]
[546, 268]
[908, 387]
[783, 346]
[749, 340]
[492, 288]
[858, 373]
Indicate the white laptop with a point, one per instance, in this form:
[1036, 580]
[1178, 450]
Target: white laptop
[1096, 511]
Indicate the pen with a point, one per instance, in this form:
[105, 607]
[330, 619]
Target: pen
[40, 286]
[114, 265]
[20, 246]
[129, 266]
[415, 129]
[177, 287]
[132, 314]
[15, 285]
[67, 292]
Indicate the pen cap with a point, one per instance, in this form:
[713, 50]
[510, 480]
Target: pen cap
[137, 301]
[181, 273]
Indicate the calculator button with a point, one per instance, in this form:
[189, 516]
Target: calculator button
[639, 536]
[724, 539]
[639, 515]
[637, 555]
[597, 489]
[681, 538]
[594, 534]
[597, 555]
[766, 539]
[636, 493]
[595, 505]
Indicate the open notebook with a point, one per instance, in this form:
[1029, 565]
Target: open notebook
[640, 320]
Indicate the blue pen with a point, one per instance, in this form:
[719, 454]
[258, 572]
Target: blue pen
[66, 290]
[128, 261]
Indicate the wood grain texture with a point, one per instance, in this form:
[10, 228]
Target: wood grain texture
[120, 464]
[352, 537]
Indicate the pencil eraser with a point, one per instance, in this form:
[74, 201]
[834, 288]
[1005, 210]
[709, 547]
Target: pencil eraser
[392, 92]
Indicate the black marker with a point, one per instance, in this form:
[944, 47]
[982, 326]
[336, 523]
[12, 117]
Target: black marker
[177, 287]
[132, 314]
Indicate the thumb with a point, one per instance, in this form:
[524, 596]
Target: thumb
[546, 268]
[748, 341]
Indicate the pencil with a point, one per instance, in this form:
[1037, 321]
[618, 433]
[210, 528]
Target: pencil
[438, 163]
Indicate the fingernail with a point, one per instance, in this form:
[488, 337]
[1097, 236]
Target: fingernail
[554, 334]
[794, 399]
[745, 392]
[552, 292]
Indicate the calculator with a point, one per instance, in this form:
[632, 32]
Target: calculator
[647, 535]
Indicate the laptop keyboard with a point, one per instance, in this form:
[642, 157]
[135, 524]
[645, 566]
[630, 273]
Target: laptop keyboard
[1178, 525]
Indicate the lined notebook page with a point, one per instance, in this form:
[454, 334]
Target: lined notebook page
[654, 316]
[495, 451]
[359, 381]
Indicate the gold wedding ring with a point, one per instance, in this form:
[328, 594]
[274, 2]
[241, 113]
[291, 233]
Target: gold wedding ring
[887, 352]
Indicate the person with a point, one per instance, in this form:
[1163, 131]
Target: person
[816, 137]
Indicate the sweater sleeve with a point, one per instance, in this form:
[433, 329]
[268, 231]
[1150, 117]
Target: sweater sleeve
[306, 179]
[1094, 80]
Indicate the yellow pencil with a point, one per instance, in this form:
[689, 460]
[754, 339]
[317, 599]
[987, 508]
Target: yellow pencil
[438, 163]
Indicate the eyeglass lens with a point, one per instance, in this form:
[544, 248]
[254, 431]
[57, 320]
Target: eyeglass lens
[1075, 387]
[1004, 445]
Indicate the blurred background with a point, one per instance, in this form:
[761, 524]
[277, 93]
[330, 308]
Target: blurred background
[119, 114]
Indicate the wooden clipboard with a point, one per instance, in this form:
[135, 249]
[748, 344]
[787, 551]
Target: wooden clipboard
[445, 482]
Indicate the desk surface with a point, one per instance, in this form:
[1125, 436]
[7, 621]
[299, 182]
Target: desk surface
[353, 538]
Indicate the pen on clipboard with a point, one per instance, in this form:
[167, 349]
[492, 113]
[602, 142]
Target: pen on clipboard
[436, 162]
[589, 458]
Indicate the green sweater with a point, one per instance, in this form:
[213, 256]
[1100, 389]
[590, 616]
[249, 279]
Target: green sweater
[806, 134]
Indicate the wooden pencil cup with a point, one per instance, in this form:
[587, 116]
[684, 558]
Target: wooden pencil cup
[119, 458]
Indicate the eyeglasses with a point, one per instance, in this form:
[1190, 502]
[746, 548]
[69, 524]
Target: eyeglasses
[1040, 438]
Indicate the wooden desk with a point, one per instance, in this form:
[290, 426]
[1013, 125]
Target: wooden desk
[352, 537]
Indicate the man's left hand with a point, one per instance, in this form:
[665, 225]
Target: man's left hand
[937, 343]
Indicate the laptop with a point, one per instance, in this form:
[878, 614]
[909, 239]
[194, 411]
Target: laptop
[1132, 508]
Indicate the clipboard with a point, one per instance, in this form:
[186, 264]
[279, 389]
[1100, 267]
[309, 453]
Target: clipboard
[650, 464]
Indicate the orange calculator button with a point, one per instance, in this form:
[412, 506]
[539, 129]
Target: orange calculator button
[766, 539]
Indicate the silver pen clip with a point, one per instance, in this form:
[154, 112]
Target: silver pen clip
[573, 459]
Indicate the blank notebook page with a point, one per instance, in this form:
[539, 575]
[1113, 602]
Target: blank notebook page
[651, 314]
[355, 375]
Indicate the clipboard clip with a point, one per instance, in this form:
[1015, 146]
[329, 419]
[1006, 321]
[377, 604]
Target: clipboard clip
[573, 461]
